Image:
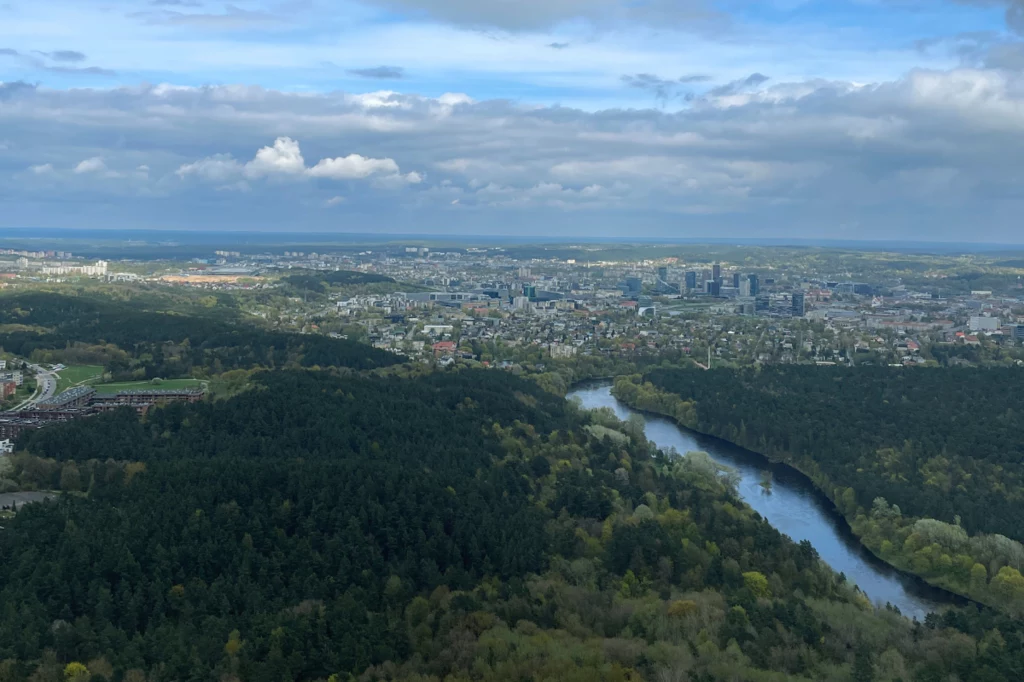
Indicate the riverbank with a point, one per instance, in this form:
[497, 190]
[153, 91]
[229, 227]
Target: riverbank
[794, 508]
[880, 530]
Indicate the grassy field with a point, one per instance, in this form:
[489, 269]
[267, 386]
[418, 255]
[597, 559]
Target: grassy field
[166, 385]
[77, 374]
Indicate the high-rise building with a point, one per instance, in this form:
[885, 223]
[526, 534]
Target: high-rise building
[634, 285]
[691, 281]
[530, 291]
[735, 280]
[663, 273]
[763, 303]
[1018, 332]
[798, 304]
[713, 287]
[745, 287]
[716, 272]
[755, 285]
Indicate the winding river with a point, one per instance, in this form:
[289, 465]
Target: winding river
[793, 506]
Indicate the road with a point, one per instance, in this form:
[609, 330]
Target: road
[46, 386]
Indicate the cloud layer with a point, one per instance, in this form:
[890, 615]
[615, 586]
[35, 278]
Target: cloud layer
[935, 155]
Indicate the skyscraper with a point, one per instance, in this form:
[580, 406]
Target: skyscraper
[663, 273]
[736, 280]
[634, 285]
[798, 304]
[691, 281]
[755, 285]
[716, 272]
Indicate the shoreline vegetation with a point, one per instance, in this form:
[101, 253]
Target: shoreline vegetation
[981, 567]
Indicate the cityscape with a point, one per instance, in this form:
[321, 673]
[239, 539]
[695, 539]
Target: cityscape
[511, 341]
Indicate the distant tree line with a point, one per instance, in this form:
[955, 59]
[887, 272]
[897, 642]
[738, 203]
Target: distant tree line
[144, 344]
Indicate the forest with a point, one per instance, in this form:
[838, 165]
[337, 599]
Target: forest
[926, 464]
[136, 342]
[343, 282]
[457, 526]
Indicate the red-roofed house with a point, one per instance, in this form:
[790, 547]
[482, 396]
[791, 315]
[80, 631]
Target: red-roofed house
[444, 348]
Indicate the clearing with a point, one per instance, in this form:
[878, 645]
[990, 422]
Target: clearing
[76, 375]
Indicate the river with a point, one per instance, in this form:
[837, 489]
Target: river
[794, 506]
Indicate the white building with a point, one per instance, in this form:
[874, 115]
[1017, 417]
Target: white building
[98, 270]
[984, 324]
[17, 377]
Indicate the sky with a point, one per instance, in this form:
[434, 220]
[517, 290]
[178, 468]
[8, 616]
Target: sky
[810, 119]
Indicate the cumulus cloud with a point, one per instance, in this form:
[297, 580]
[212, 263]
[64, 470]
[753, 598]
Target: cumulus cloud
[217, 168]
[93, 165]
[42, 169]
[352, 167]
[284, 159]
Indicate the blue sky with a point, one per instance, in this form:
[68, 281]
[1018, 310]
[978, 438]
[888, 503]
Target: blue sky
[874, 118]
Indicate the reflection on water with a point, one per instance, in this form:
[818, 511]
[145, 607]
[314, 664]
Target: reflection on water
[793, 506]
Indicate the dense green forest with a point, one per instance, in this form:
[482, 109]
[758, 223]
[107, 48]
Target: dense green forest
[344, 283]
[925, 464]
[134, 342]
[336, 278]
[457, 526]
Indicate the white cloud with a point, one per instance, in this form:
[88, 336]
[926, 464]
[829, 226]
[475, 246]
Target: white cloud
[42, 169]
[334, 201]
[351, 167]
[217, 168]
[93, 165]
[284, 157]
[397, 180]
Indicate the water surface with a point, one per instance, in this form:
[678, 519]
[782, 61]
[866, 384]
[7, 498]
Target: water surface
[794, 506]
